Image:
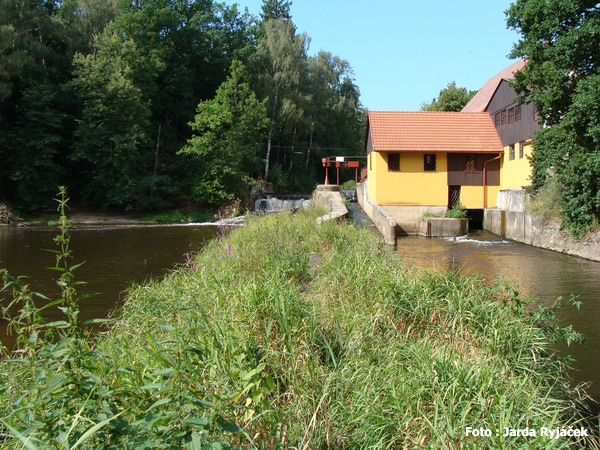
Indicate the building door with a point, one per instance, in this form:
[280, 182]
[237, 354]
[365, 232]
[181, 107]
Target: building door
[453, 196]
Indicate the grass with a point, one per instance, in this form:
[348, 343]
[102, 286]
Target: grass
[546, 202]
[285, 334]
[177, 216]
[350, 184]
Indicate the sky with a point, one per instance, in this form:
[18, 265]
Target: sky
[404, 52]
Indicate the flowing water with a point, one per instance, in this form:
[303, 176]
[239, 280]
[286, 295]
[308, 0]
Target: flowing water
[115, 256]
[119, 255]
[540, 273]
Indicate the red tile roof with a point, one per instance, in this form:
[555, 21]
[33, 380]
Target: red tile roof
[433, 131]
[481, 100]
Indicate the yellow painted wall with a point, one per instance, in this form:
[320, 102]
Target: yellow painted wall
[471, 197]
[492, 196]
[516, 173]
[411, 185]
[372, 175]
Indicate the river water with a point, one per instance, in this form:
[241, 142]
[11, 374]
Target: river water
[115, 256]
[543, 274]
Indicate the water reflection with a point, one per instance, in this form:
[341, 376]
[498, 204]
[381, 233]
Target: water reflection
[541, 273]
[114, 258]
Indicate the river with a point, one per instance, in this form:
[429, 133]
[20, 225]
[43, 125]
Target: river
[114, 256]
[543, 274]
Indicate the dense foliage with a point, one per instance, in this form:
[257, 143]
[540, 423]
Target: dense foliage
[451, 98]
[285, 334]
[561, 41]
[101, 95]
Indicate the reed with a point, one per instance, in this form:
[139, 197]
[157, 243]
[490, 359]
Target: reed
[291, 335]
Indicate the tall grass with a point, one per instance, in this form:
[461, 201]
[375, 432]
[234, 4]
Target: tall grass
[285, 334]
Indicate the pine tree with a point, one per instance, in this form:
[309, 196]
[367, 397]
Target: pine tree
[276, 9]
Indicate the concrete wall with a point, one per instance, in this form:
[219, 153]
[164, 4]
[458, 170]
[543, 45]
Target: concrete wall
[384, 222]
[512, 199]
[443, 227]
[329, 198]
[522, 226]
[408, 217]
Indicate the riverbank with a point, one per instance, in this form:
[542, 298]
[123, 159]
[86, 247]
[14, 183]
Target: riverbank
[102, 218]
[288, 333]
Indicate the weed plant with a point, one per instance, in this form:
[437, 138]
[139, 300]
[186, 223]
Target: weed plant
[285, 334]
[457, 212]
[350, 184]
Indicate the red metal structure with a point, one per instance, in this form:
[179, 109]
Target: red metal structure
[340, 161]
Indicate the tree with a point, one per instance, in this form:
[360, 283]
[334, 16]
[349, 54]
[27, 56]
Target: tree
[280, 67]
[560, 40]
[32, 101]
[451, 98]
[276, 9]
[113, 130]
[228, 138]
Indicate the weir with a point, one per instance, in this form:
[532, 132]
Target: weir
[274, 203]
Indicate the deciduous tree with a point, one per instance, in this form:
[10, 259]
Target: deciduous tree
[228, 137]
[560, 39]
[451, 98]
[113, 130]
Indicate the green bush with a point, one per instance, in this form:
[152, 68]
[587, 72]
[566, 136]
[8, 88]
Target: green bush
[350, 184]
[457, 212]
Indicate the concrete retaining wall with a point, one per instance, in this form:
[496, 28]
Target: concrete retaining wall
[512, 199]
[329, 197]
[522, 226]
[408, 218]
[384, 222]
[443, 227]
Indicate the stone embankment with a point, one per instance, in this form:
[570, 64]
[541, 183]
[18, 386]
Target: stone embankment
[384, 222]
[329, 197]
[5, 214]
[512, 220]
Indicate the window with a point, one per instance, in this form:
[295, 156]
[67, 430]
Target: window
[511, 152]
[511, 115]
[502, 117]
[393, 162]
[497, 119]
[521, 149]
[517, 112]
[471, 164]
[370, 161]
[429, 162]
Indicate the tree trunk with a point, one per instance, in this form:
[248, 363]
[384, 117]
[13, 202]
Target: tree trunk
[155, 160]
[270, 137]
[292, 152]
[309, 145]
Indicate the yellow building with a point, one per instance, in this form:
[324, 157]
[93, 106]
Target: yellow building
[430, 160]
